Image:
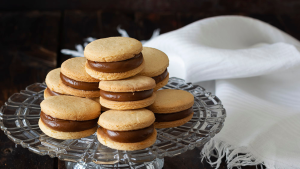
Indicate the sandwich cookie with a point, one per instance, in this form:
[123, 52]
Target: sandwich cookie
[172, 108]
[53, 86]
[69, 117]
[156, 63]
[132, 93]
[114, 58]
[127, 129]
[75, 81]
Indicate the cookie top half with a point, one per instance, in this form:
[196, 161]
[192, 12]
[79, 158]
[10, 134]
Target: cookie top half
[126, 120]
[112, 49]
[156, 62]
[171, 101]
[52, 80]
[71, 108]
[135, 83]
[74, 68]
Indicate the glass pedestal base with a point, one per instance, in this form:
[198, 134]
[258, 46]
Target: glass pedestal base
[157, 163]
[20, 115]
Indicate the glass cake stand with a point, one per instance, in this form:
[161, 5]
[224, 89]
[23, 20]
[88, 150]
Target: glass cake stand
[19, 121]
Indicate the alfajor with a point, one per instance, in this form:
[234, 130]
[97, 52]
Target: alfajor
[69, 117]
[127, 129]
[114, 58]
[156, 63]
[172, 108]
[131, 93]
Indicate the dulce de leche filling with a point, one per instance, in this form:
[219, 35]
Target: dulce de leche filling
[132, 136]
[91, 86]
[165, 117]
[160, 77]
[119, 66]
[126, 96]
[67, 125]
[52, 93]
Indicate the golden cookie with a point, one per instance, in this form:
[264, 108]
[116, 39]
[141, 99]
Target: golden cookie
[52, 81]
[156, 62]
[126, 120]
[70, 108]
[136, 83]
[112, 49]
[172, 108]
[171, 100]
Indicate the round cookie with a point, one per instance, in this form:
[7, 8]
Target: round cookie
[136, 83]
[53, 86]
[112, 49]
[114, 58]
[172, 100]
[75, 68]
[127, 130]
[71, 108]
[156, 63]
[69, 117]
[75, 81]
[124, 120]
[172, 108]
[131, 93]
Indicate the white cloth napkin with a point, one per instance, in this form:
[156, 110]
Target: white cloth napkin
[256, 69]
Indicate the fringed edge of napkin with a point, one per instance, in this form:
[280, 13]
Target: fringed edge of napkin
[235, 156]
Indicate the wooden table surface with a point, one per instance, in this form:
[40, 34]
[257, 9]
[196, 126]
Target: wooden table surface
[30, 45]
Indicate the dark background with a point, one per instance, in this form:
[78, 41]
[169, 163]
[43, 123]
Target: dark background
[32, 33]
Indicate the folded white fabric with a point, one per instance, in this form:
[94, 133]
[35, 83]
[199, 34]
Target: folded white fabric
[256, 69]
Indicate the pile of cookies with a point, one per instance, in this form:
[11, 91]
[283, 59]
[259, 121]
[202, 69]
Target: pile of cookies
[120, 78]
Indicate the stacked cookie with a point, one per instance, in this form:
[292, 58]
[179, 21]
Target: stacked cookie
[156, 63]
[114, 58]
[172, 108]
[116, 61]
[69, 117]
[127, 129]
[72, 79]
[122, 77]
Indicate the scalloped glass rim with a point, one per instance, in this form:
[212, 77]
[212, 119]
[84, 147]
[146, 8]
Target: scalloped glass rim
[19, 121]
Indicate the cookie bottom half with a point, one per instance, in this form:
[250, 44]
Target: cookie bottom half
[175, 123]
[46, 94]
[66, 135]
[162, 83]
[103, 139]
[80, 93]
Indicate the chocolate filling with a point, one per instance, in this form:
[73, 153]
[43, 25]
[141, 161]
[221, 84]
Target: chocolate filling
[132, 136]
[52, 93]
[126, 96]
[160, 77]
[119, 66]
[92, 86]
[165, 117]
[67, 125]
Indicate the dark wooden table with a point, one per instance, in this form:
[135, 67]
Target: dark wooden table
[31, 41]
